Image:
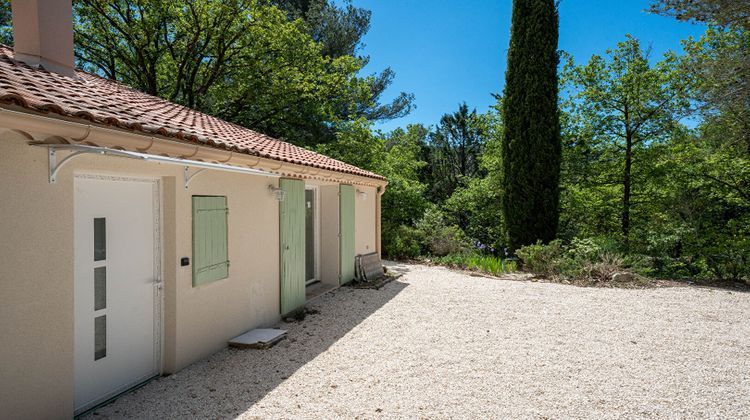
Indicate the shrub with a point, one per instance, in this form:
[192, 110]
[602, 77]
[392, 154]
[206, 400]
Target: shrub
[440, 239]
[728, 256]
[477, 210]
[603, 268]
[544, 260]
[477, 262]
[403, 242]
[594, 260]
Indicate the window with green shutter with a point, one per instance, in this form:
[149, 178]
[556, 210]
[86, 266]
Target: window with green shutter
[210, 256]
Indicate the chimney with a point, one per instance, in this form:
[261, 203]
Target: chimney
[43, 34]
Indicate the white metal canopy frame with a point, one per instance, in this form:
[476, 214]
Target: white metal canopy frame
[80, 150]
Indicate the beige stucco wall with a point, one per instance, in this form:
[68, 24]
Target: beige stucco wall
[36, 271]
[36, 275]
[364, 220]
[209, 315]
[36, 267]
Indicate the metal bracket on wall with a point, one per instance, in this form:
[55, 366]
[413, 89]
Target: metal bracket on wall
[189, 177]
[55, 166]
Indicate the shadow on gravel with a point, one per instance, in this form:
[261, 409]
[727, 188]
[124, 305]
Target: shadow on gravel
[230, 382]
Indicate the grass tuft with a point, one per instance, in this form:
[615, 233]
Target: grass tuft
[489, 264]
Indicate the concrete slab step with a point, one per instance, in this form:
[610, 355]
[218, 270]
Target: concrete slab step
[259, 338]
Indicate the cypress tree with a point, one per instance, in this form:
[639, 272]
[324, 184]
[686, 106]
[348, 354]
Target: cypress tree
[531, 139]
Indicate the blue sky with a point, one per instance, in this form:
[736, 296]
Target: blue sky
[450, 51]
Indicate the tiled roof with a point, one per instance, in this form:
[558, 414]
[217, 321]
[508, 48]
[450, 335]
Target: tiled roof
[95, 99]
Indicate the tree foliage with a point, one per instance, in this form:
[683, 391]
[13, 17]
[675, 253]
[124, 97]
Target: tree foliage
[240, 59]
[718, 65]
[339, 29]
[620, 108]
[6, 23]
[531, 141]
[690, 187]
[396, 156]
[454, 151]
[719, 12]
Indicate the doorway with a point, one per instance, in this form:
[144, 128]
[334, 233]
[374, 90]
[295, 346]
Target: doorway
[312, 235]
[117, 288]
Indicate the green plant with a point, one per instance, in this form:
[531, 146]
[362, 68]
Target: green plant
[489, 264]
[531, 147]
[544, 260]
[440, 239]
[603, 268]
[587, 260]
[477, 210]
[403, 242]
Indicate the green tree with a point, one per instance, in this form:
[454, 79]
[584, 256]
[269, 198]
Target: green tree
[531, 140]
[700, 228]
[719, 12]
[397, 157]
[454, 149]
[620, 108]
[718, 65]
[6, 24]
[699, 219]
[590, 174]
[356, 144]
[394, 155]
[239, 59]
[477, 206]
[404, 200]
[339, 29]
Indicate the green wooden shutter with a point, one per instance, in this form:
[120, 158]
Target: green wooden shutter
[346, 233]
[292, 242]
[210, 257]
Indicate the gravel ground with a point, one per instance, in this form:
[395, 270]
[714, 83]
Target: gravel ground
[438, 343]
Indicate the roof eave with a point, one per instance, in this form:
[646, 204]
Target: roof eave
[58, 128]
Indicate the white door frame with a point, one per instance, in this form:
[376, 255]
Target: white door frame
[158, 247]
[316, 232]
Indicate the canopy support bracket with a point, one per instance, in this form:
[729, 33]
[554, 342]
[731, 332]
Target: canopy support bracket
[189, 177]
[55, 166]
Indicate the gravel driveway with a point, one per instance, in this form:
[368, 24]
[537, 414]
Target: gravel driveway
[438, 343]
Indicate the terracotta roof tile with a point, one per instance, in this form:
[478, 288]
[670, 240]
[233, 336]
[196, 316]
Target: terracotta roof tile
[96, 99]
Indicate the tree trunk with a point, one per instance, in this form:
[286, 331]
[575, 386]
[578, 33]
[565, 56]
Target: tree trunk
[626, 187]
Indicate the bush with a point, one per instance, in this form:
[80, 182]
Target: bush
[477, 262]
[440, 239]
[476, 208]
[602, 269]
[593, 260]
[544, 260]
[403, 242]
[728, 256]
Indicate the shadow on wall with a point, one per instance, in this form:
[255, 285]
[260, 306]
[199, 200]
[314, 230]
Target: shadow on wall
[228, 383]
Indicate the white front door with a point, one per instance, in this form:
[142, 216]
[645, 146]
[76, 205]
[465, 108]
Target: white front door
[116, 286]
